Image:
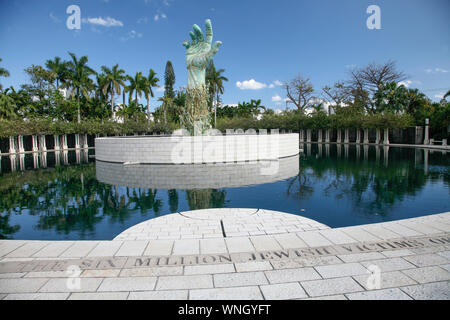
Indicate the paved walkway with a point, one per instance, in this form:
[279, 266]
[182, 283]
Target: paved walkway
[237, 254]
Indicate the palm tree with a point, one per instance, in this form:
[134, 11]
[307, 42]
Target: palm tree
[3, 73]
[59, 68]
[136, 86]
[215, 80]
[150, 82]
[115, 80]
[445, 96]
[79, 77]
[166, 103]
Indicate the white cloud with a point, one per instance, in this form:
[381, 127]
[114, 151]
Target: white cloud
[406, 83]
[131, 35]
[251, 84]
[159, 16]
[439, 95]
[436, 70]
[276, 83]
[160, 89]
[142, 20]
[276, 98]
[104, 22]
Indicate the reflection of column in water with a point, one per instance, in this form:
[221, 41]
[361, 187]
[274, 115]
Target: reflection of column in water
[346, 151]
[308, 149]
[22, 161]
[327, 150]
[377, 152]
[85, 155]
[417, 157]
[358, 151]
[78, 156]
[43, 159]
[425, 160]
[65, 156]
[57, 158]
[13, 160]
[366, 152]
[320, 149]
[36, 160]
[386, 155]
[339, 149]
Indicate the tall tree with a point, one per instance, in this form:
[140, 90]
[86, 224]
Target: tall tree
[299, 91]
[59, 68]
[115, 78]
[150, 82]
[215, 81]
[3, 73]
[136, 86]
[169, 80]
[79, 78]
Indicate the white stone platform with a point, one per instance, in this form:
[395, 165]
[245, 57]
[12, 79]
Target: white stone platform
[258, 254]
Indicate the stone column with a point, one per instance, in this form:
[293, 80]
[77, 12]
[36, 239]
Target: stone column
[339, 136]
[366, 136]
[378, 137]
[34, 142]
[386, 136]
[327, 136]
[308, 135]
[20, 144]
[346, 137]
[444, 142]
[426, 139]
[64, 142]
[85, 141]
[358, 136]
[301, 135]
[77, 141]
[319, 136]
[42, 143]
[12, 145]
[57, 146]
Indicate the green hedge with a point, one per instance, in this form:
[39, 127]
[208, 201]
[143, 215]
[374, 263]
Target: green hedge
[21, 127]
[295, 122]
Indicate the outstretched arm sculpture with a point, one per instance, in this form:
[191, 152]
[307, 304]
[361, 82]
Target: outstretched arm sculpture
[199, 53]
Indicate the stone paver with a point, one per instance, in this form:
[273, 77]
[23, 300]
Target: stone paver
[384, 294]
[428, 274]
[209, 269]
[128, 284]
[283, 291]
[67, 285]
[37, 296]
[429, 291]
[331, 286]
[341, 270]
[387, 280]
[184, 282]
[289, 275]
[239, 279]
[425, 260]
[99, 296]
[21, 285]
[159, 295]
[236, 293]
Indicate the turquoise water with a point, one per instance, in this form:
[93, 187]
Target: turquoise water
[335, 185]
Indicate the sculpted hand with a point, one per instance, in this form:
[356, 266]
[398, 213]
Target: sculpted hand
[200, 52]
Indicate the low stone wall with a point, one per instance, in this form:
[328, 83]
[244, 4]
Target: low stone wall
[196, 149]
[197, 176]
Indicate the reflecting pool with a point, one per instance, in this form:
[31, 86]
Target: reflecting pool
[56, 196]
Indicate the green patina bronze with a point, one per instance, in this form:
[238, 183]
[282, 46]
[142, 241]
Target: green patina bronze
[199, 53]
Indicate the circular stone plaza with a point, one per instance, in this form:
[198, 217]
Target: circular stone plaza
[237, 254]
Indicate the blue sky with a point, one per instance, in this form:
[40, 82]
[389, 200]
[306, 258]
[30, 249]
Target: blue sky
[264, 42]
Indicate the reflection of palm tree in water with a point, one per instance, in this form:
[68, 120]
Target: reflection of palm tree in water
[173, 200]
[206, 198]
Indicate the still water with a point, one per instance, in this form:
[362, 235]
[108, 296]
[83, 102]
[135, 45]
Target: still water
[68, 196]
